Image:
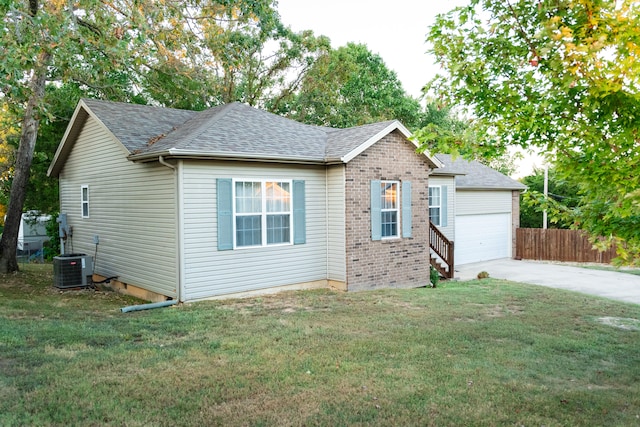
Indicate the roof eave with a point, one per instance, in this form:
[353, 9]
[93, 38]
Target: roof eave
[74, 127]
[447, 173]
[200, 155]
[485, 188]
[80, 116]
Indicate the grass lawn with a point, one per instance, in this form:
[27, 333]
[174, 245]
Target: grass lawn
[478, 353]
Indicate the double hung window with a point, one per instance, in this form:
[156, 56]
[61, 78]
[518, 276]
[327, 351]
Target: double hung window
[391, 216]
[263, 213]
[84, 203]
[389, 208]
[435, 205]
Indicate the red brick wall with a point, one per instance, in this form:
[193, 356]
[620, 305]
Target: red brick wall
[398, 262]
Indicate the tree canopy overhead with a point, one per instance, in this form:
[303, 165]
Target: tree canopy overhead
[561, 193]
[351, 86]
[561, 75]
[123, 50]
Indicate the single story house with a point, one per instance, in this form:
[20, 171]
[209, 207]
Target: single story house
[190, 205]
[476, 207]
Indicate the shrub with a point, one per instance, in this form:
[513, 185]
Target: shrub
[52, 247]
[434, 277]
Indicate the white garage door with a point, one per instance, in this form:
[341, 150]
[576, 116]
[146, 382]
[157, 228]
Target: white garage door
[482, 237]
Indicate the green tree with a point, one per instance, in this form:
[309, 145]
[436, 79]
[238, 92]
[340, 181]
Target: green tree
[443, 131]
[263, 77]
[44, 42]
[256, 61]
[42, 190]
[110, 48]
[561, 75]
[8, 132]
[351, 86]
[563, 192]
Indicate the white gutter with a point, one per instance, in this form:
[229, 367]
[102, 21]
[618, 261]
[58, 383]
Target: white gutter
[187, 154]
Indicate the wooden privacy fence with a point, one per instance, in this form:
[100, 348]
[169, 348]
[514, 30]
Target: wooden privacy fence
[558, 245]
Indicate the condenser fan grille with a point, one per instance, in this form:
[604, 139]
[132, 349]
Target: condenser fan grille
[71, 271]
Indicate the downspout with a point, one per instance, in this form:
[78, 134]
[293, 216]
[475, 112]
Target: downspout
[178, 201]
[165, 163]
[148, 306]
[326, 221]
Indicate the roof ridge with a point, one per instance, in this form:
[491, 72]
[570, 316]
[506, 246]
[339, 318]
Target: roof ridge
[385, 122]
[88, 101]
[352, 138]
[220, 111]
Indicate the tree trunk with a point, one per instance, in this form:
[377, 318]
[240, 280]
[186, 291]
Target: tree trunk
[28, 136]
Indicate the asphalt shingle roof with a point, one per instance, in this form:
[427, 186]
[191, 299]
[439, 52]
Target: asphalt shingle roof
[135, 125]
[232, 130]
[342, 141]
[239, 129]
[475, 175]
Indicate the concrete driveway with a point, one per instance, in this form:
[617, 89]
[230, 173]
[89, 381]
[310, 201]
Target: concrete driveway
[607, 284]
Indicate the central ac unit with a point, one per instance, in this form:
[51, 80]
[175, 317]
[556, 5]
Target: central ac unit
[72, 271]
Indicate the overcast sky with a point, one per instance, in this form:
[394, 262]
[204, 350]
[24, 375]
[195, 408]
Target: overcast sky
[394, 30]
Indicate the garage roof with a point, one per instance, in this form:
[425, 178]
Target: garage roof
[473, 175]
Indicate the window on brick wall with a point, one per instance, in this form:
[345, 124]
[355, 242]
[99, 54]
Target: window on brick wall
[390, 209]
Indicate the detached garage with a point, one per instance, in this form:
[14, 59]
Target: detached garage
[486, 210]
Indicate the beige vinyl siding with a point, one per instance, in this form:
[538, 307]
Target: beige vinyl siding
[475, 202]
[132, 210]
[435, 180]
[336, 254]
[209, 272]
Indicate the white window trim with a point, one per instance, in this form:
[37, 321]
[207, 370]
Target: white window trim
[84, 202]
[398, 234]
[439, 206]
[263, 213]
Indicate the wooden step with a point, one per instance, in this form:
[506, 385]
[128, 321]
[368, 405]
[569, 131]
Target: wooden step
[440, 269]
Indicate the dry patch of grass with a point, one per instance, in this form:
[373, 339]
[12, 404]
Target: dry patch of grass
[621, 323]
[474, 353]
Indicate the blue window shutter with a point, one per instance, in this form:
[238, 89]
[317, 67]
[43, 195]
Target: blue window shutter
[406, 208]
[299, 214]
[376, 218]
[225, 213]
[443, 206]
